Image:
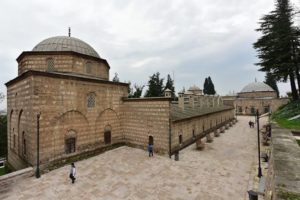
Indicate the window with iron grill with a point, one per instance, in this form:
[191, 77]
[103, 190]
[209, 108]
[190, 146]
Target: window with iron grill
[91, 101]
[70, 145]
[50, 64]
[88, 67]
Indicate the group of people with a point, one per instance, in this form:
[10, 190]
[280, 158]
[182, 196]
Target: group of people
[251, 124]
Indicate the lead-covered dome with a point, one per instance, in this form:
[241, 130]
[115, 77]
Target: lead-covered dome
[194, 88]
[257, 87]
[64, 43]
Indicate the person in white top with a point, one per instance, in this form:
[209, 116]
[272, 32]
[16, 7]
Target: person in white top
[73, 173]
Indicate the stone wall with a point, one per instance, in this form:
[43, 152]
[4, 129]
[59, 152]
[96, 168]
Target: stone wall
[64, 63]
[194, 126]
[63, 105]
[245, 105]
[7, 181]
[20, 123]
[284, 167]
[146, 117]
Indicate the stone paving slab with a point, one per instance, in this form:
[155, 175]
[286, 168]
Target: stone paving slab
[220, 172]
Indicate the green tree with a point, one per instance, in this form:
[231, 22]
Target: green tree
[170, 85]
[278, 46]
[3, 136]
[155, 86]
[206, 86]
[269, 80]
[136, 92]
[211, 87]
[116, 78]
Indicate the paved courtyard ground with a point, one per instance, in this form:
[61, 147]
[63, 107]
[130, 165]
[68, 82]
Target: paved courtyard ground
[220, 172]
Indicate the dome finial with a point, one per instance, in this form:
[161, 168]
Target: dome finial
[69, 32]
[255, 80]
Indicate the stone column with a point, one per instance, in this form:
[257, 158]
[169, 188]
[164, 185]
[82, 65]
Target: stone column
[200, 145]
[227, 126]
[222, 129]
[217, 132]
[209, 138]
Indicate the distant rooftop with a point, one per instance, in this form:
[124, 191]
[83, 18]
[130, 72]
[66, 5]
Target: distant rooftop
[178, 113]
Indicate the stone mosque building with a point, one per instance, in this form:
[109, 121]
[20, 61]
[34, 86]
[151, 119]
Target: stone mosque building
[255, 96]
[62, 94]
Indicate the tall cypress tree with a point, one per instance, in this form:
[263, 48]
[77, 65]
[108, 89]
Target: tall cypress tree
[206, 86]
[155, 86]
[279, 45]
[269, 80]
[211, 87]
[170, 85]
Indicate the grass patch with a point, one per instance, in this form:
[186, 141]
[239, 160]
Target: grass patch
[289, 124]
[283, 114]
[2, 171]
[298, 141]
[288, 195]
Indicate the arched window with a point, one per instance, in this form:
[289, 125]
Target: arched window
[91, 100]
[88, 67]
[14, 141]
[24, 143]
[11, 130]
[50, 64]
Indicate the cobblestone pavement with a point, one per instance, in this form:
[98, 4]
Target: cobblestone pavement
[220, 172]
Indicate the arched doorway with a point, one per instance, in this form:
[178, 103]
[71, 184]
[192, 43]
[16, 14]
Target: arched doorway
[180, 139]
[107, 135]
[151, 140]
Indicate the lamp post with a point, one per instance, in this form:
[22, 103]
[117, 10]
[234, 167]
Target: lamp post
[37, 172]
[258, 144]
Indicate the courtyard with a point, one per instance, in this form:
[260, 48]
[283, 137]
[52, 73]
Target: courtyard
[222, 171]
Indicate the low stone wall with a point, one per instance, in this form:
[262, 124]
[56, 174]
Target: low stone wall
[6, 181]
[283, 180]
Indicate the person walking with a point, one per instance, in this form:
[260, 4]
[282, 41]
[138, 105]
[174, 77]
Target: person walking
[73, 173]
[150, 150]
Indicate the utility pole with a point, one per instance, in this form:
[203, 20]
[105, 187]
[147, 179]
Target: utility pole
[258, 144]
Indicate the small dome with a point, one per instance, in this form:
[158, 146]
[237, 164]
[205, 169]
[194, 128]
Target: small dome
[194, 88]
[257, 87]
[64, 43]
[188, 92]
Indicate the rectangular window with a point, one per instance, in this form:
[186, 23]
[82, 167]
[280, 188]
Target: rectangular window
[14, 141]
[240, 109]
[252, 110]
[266, 109]
[70, 145]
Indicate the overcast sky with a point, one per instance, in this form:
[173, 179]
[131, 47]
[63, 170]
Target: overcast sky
[191, 39]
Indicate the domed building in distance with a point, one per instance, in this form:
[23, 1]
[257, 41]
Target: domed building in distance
[258, 96]
[62, 94]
